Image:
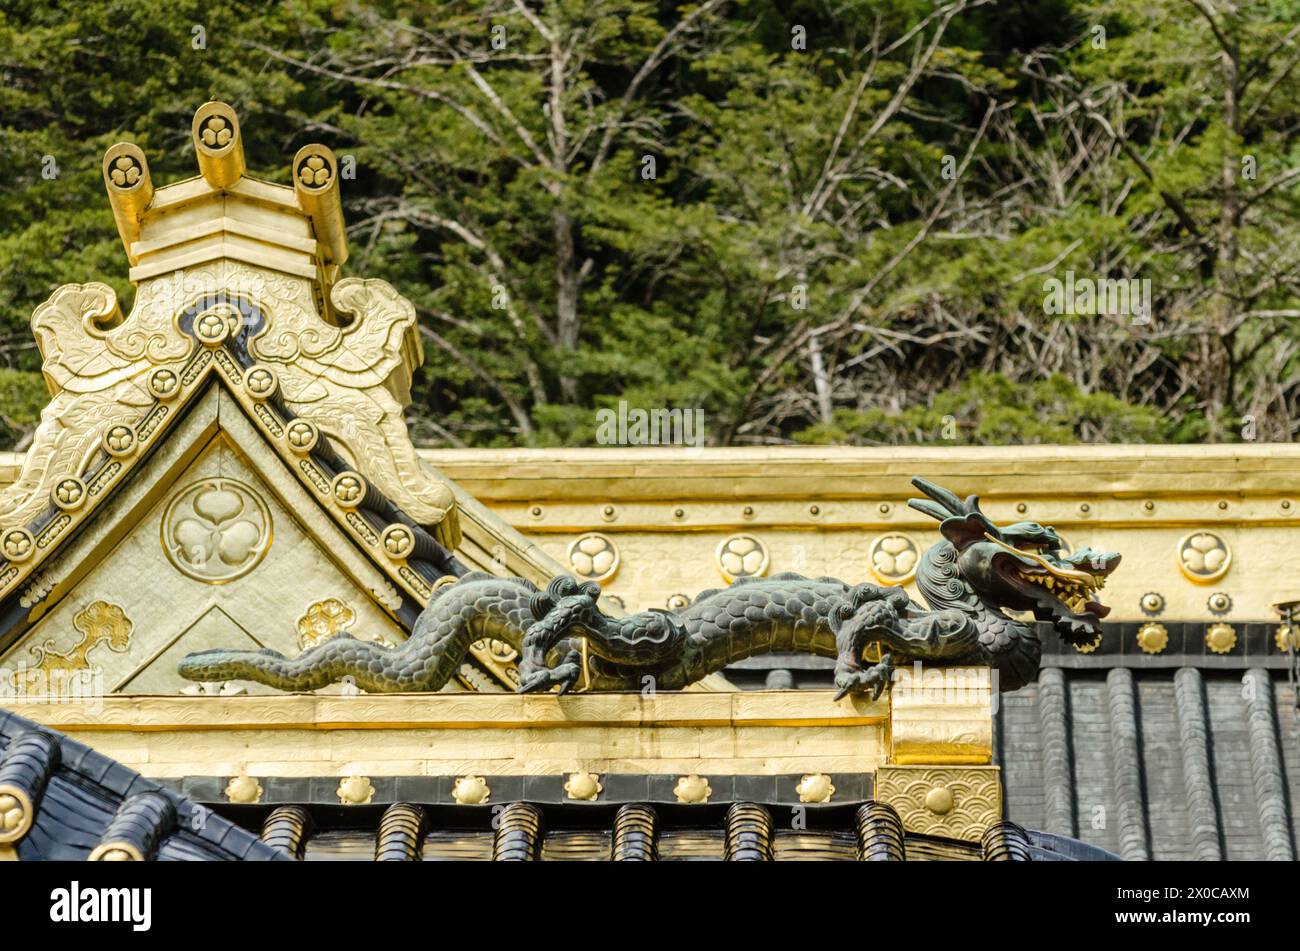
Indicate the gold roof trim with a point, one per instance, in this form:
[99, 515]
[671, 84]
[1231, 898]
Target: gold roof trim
[779, 472]
[220, 259]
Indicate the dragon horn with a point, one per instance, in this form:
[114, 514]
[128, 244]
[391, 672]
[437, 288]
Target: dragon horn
[949, 504]
[929, 508]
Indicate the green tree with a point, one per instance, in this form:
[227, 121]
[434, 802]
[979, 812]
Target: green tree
[815, 221]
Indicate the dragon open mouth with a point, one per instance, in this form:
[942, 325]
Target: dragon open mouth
[1059, 588]
[1075, 593]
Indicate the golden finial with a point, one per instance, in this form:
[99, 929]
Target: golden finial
[316, 182]
[218, 144]
[130, 189]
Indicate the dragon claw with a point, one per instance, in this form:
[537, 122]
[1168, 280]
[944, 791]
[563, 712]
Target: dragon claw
[872, 679]
[565, 675]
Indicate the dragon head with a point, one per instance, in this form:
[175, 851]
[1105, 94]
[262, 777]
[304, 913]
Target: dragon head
[1021, 567]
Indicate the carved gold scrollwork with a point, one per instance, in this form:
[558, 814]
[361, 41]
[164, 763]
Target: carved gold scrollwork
[106, 372]
[351, 383]
[99, 622]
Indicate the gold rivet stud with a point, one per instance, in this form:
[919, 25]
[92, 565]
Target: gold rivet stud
[939, 800]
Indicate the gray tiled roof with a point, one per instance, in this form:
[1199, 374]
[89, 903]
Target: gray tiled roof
[83, 799]
[1163, 764]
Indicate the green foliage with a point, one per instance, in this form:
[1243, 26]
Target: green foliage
[22, 395]
[988, 409]
[802, 266]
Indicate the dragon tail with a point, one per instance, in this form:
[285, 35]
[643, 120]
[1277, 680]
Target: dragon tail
[371, 666]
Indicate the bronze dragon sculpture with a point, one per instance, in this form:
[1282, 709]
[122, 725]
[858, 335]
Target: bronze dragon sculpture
[970, 580]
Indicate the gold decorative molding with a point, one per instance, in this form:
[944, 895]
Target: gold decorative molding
[583, 787]
[675, 506]
[815, 787]
[711, 486]
[954, 802]
[692, 789]
[498, 734]
[1110, 477]
[243, 789]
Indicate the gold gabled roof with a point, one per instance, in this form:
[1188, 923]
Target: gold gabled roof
[237, 288]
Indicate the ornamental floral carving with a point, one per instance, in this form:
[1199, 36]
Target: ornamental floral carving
[216, 530]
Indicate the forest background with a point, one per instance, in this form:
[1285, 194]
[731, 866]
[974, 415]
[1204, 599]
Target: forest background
[817, 222]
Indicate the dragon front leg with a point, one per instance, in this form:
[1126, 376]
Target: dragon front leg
[853, 631]
[536, 674]
[862, 679]
[939, 635]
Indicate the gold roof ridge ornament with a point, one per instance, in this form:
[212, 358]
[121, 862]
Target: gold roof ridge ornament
[237, 282]
[224, 214]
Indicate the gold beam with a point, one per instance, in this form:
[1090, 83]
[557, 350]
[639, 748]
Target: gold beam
[130, 190]
[799, 472]
[450, 734]
[316, 182]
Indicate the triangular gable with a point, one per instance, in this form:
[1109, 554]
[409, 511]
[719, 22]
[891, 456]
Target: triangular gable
[238, 296]
[265, 563]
